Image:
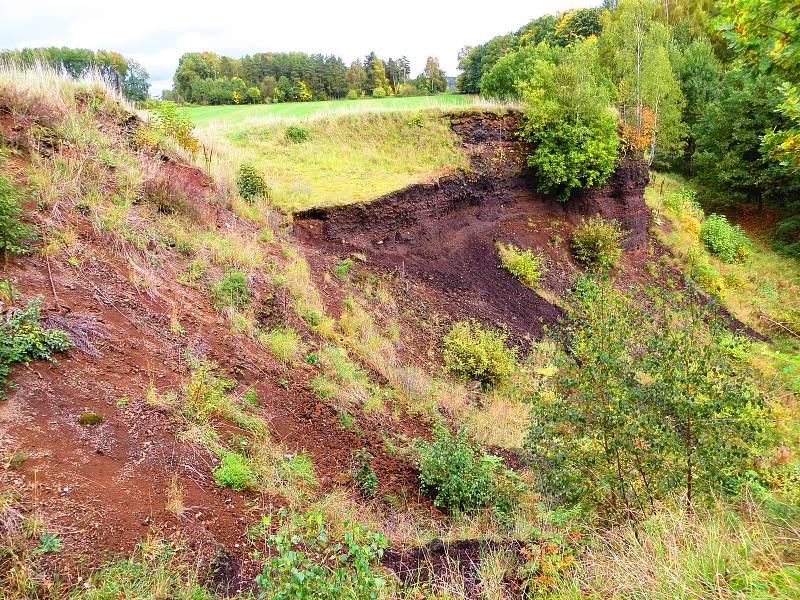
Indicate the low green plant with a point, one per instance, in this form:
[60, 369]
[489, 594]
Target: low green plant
[379, 92]
[251, 397]
[49, 543]
[308, 563]
[324, 388]
[522, 264]
[342, 268]
[250, 183]
[231, 290]
[296, 134]
[460, 478]
[363, 473]
[473, 353]
[23, 339]
[725, 241]
[205, 393]
[235, 472]
[284, 343]
[154, 567]
[13, 232]
[683, 200]
[596, 243]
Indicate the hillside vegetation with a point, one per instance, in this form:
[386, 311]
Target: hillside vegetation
[337, 159]
[486, 351]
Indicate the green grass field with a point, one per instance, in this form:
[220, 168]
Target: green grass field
[356, 149]
[231, 115]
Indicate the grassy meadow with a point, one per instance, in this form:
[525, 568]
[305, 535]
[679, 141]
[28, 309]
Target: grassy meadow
[352, 150]
[230, 115]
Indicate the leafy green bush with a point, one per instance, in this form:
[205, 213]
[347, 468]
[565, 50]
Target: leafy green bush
[473, 353]
[524, 265]
[296, 134]
[352, 94]
[235, 472]
[704, 274]
[379, 92]
[595, 243]
[176, 125]
[682, 200]
[308, 563]
[568, 157]
[342, 268]
[22, 339]
[462, 479]
[639, 386]
[364, 474]
[13, 231]
[231, 290]
[251, 183]
[726, 241]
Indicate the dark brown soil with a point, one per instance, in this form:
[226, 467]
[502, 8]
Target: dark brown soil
[439, 563]
[443, 234]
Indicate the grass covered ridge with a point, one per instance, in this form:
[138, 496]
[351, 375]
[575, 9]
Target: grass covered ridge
[233, 115]
[343, 159]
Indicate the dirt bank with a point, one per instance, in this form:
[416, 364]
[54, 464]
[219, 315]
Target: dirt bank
[444, 233]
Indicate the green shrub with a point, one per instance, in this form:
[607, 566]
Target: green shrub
[342, 268]
[364, 474]
[379, 92]
[352, 94]
[473, 353]
[459, 478]
[595, 243]
[235, 472]
[726, 241]
[307, 562]
[684, 199]
[251, 183]
[22, 339]
[205, 393]
[524, 265]
[284, 343]
[571, 156]
[231, 290]
[13, 231]
[642, 380]
[176, 125]
[296, 134]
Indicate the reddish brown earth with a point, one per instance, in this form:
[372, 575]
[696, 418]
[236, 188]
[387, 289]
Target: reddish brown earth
[103, 488]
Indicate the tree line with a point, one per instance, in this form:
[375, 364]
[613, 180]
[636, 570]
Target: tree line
[208, 78]
[125, 74]
[707, 89]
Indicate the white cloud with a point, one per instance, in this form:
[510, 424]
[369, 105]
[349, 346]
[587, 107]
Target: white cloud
[156, 33]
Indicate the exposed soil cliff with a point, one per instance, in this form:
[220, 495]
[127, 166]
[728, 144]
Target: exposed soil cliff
[444, 232]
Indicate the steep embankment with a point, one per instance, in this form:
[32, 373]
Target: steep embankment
[443, 234]
[206, 326]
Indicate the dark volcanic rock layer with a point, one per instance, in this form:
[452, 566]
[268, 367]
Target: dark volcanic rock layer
[444, 232]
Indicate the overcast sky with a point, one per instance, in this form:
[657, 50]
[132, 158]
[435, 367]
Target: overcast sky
[156, 33]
